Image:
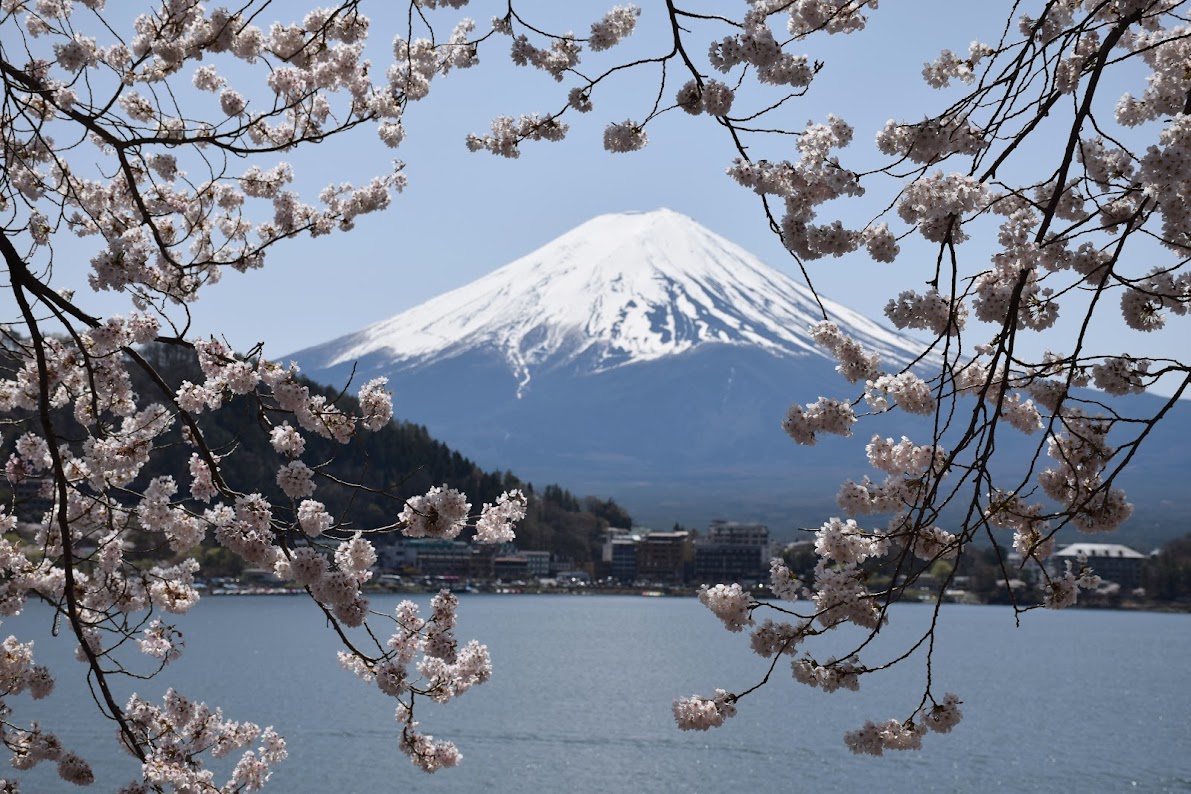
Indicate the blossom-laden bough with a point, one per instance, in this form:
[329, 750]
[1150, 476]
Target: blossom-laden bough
[1101, 229]
[128, 132]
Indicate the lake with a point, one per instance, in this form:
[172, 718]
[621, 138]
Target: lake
[580, 702]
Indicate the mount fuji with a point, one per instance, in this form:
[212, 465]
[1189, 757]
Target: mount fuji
[639, 356]
[618, 290]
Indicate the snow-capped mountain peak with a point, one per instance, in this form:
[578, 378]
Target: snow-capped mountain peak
[618, 289]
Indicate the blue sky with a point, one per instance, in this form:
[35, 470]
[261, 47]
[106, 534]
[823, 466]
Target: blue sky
[465, 214]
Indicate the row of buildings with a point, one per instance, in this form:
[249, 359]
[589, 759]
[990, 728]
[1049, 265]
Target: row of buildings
[728, 552]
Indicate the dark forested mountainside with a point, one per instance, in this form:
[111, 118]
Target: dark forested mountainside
[398, 461]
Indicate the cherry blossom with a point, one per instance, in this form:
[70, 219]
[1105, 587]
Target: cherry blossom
[103, 143]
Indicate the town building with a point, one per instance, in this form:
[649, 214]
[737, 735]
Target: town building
[618, 558]
[537, 563]
[732, 552]
[437, 557]
[664, 557]
[1112, 562]
[511, 568]
[738, 533]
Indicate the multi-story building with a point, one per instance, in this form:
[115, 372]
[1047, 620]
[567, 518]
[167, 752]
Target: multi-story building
[732, 552]
[537, 562]
[1112, 562]
[435, 557]
[623, 560]
[511, 568]
[738, 533]
[618, 559]
[664, 557]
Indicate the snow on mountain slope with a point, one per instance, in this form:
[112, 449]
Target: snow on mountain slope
[618, 289]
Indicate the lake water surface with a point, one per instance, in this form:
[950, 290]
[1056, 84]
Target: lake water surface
[580, 702]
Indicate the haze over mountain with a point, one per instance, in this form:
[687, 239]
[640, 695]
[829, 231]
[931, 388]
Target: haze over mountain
[638, 356]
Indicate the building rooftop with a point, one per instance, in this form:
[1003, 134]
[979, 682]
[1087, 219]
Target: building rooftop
[1092, 550]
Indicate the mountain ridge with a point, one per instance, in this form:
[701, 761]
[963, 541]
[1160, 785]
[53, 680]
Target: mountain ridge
[621, 288]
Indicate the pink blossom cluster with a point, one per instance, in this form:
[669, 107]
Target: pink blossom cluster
[1063, 591]
[1071, 68]
[930, 141]
[337, 588]
[830, 676]
[894, 494]
[32, 746]
[816, 178]
[1071, 205]
[839, 593]
[161, 641]
[376, 404]
[948, 66]
[697, 713]
[625, 136]
[757, 47]
[616, 25]
[771, 638]
[830, 16]
[1120, 375]
[822, 416]
[444, 671]
[942, 717]
[710, 96]
[729, 603]
[441, 513]
[855, 363]
[176, 735]
[1165, 172]
[937, 203]
[1032, 536]
[508, 133]
[782, 582]
[974, 377]
[908, 391]
[558, 55]
[559, 58]
[905, 457]
[1081, 453]
[1164, 51]
[415, 65]
[932, 543]
[880, 242]
[875, 739]
[844, 542]
[496, 521]
[1022, 414]
[1105, 165]
[1013, 287]
[18, 673]
[426, 752]
[1142, 305]
[441, 3]
[580, 99]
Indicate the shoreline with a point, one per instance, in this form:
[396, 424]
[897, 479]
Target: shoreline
[666, 592]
